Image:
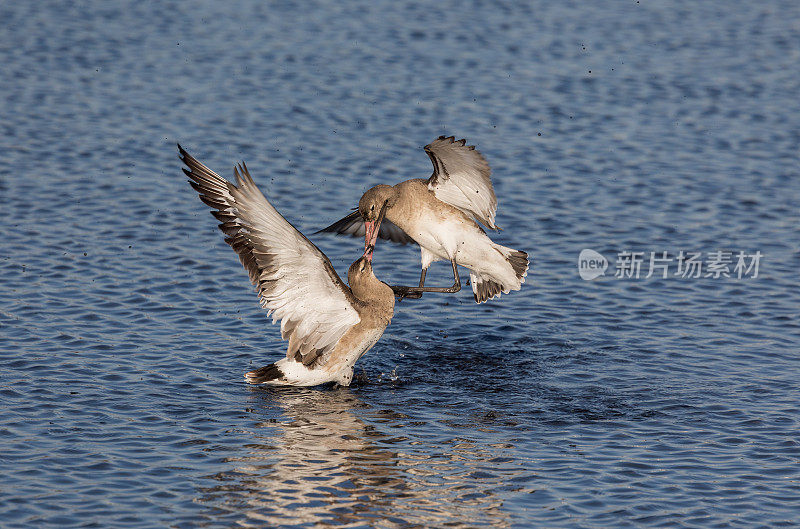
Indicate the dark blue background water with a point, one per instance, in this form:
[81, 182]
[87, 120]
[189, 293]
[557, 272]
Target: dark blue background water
[126, 323]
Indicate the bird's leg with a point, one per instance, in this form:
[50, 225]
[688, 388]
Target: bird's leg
[404, 292]
[456, 280]
[417, 295]
[408, 292]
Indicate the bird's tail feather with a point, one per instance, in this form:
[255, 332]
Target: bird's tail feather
[519, 262]
[485, 288]
[267, 374]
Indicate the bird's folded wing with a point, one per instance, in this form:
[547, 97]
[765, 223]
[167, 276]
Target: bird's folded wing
[462, 178]
[353, 224]
[295, 280]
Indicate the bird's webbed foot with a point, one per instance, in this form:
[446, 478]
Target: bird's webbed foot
[403, 292]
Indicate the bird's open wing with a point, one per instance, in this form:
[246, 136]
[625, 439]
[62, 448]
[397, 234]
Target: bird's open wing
[462, 178]
[295, 280]
[353, 225]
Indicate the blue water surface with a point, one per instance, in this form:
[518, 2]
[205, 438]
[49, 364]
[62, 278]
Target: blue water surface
[126, 323]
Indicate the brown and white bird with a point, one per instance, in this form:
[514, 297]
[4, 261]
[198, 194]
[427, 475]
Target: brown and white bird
[329, 326]
[440, 215]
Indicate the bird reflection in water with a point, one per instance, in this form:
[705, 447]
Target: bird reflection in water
[326, 466]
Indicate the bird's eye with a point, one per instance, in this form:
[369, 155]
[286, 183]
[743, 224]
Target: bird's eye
[372, 207]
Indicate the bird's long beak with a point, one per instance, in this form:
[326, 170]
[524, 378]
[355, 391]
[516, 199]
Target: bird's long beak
[371, 234]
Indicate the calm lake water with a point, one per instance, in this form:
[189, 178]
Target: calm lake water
[126, 323]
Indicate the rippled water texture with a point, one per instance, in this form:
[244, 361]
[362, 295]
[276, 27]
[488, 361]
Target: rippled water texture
[126, 323]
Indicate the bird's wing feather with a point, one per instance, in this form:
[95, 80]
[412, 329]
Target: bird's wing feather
[462, 178]
[295, 280]
[353, 224]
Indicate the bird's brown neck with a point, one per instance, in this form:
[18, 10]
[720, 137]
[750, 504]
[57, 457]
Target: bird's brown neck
[377, 297]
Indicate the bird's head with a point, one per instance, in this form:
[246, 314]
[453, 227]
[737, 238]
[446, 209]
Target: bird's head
[372, 206]
[359, 273]
[373, 200]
